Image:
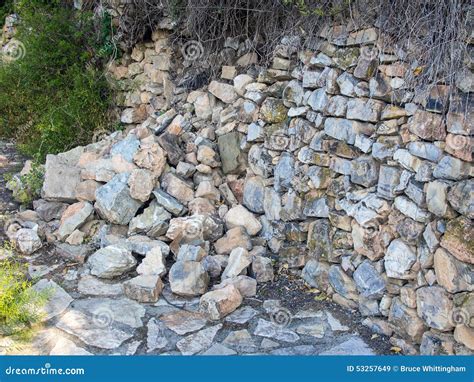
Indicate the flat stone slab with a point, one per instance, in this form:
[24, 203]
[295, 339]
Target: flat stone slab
[65, 346]
[316, 330]
[335, 324]
[242, 315]
[110, 311]
[90, 285]
[183, 322]
[295, 350]
[58, 299]
[353, 346]
[199, 341]
[156, 336]
[270, 330]
[219, 349]
[91, 331]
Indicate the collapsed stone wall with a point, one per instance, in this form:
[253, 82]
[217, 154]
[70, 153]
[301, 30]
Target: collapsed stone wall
[325, 162]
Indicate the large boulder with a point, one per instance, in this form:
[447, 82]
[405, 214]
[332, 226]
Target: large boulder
[61, 176]
[114, 202]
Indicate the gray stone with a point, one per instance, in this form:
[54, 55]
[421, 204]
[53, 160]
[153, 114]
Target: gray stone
[169, 203]
[242, 315]
[364, 171]
[399, 259]
[183, 322]
[246, 285]
[436, 198]
[27, 241]
[48, 211]
[425, 150]
[219, 350]
[188, 278]
[452, 274]
[113, 201]
[254, 192]
[225, 92]
[406, 321]
[271, 330]
[199, 341]
[240, 340]
[110, 262]
[315, 273]
[410, 209]
[153, 221]
[229, 151]
[239, 260]
[318, 100]
[316, 330]
[74, 217]
[143, 288]
[189, 252]
[64, 346]
[316, 206]
[156, 336]
[342, 283]
[272, 204]
[284, 171]
[369, 282]
[109, 312]
[91, 332]
[89, 285]
[58, 299]
[262, 269]
[435, 307]
[62, 176]
[452, 169]
[353, 346]
[389, 179]
[364, 110]
[126, 147]
[461, 197]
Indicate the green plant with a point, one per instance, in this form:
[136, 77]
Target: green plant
[27, 187]
[6, 8]
[20, 304]
[56, 95]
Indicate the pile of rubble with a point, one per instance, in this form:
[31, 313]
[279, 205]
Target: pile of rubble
[324, 162]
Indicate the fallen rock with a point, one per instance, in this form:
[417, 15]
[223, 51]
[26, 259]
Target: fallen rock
[239, 216]
[239, 260]
[221, 302]
[74, 217]
[114, 202]
[188, 278]
[143, 288]
[110, 262]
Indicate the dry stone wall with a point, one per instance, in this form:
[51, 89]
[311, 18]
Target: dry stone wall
[325, 162]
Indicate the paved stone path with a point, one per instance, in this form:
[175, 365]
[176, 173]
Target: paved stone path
[86, 315]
